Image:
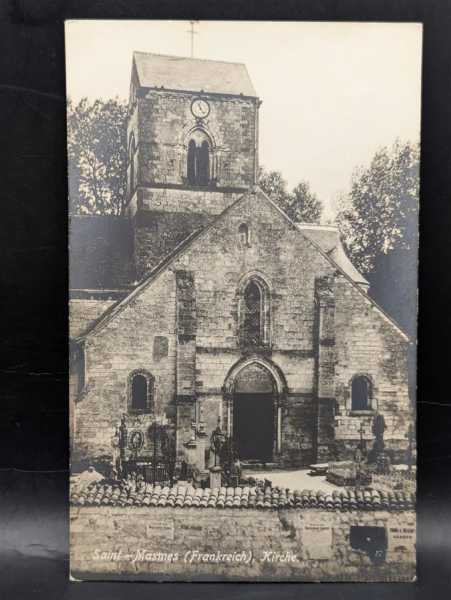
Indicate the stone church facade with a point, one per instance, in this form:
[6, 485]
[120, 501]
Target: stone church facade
[205, 301]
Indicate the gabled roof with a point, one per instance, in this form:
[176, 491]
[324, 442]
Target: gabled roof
[328, 238]
[192, 74]
[187, 243]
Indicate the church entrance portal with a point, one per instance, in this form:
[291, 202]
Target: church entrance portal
[253, 414]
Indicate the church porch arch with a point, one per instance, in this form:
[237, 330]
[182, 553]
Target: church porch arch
[252, 406]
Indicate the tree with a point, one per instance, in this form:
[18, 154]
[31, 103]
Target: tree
[304, 205]
[380, 213]
[275, 186]
[97, 156]
[300, 205]
[378, 221]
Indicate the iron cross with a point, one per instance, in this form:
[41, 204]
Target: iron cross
[192, 34]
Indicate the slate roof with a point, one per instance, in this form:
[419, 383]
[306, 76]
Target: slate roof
[328, 238]
[112, 493]
[101, 252]
[192, 74]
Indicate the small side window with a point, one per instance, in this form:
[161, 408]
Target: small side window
[243, 231]
[140, 392]
[361, 393]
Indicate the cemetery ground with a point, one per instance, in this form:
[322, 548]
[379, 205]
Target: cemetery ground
[295, 479]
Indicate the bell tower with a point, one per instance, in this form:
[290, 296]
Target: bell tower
[192, 147]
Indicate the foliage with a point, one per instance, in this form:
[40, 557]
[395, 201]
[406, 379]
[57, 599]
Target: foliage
[301, 204]
[275, 186]
[380, 213]
[304, 205]
[97, 156]
[378, 221]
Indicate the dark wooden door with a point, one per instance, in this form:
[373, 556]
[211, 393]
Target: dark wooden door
[253, 426]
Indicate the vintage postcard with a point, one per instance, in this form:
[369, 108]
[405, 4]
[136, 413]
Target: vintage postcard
[243, 233]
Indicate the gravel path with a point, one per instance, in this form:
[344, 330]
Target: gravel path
[296, 480]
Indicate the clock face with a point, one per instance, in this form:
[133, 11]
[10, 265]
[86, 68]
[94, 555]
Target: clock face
[200, 108]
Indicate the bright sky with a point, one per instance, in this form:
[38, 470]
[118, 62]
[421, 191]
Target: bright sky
[332, 93]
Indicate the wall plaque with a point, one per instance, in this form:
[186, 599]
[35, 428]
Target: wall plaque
[160, 347]
[401, 536]
[317, 541]
[162, 529]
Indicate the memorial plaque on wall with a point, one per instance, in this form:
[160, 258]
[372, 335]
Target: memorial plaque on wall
[161, 529]
[401, 536]
[317, 541]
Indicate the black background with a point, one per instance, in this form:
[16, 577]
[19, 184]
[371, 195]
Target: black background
[33, 292]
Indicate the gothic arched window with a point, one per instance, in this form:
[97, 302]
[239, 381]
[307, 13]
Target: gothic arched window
[254, 314]
[198, 159]
[361, 393]
[140, 392]
[252, 317]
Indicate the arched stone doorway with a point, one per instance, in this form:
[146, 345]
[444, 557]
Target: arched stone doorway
[253, 391]
[253, 414]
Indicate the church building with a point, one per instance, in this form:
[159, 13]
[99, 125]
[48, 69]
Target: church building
[205, 302]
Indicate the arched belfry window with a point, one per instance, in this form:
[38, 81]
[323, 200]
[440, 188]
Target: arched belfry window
[140, 392]
[361, 393]
[199, 159]
[254, 313]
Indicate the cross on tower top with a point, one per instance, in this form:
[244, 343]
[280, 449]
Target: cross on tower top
[192, 33]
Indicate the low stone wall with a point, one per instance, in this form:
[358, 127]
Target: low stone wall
[165, 543]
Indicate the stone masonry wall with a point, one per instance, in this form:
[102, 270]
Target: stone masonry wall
[291, 266]
[82, 313]
[157, 233]
[182, 544]
[365, 341]
[209, 202]
[127, 343]
[163, 218]
[164, 123]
